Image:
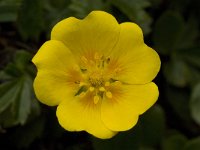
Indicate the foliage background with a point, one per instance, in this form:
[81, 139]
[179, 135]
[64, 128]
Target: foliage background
[171, 27]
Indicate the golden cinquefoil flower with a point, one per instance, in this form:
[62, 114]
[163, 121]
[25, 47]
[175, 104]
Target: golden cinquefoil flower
[99, 74]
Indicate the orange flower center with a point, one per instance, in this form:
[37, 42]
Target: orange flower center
[98, 77]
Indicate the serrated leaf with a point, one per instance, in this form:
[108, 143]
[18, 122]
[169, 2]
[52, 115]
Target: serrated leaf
[12, 70]
[176, 72]
[23, 103]
[9, 10]
[21, 59]
[152, 124]
[30, 19]
[191, 56]
[174, 142]
[125, 140]
[10, 95]
[7, 119]
[84, 7]
[178, 99]
[190, 33]
[4, 76]
[193, 144]
[167, 31]
[23, 136]
[195, 103]
[134, 10]
[194, 77]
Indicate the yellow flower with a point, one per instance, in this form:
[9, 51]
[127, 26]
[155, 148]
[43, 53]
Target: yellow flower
[99, 74]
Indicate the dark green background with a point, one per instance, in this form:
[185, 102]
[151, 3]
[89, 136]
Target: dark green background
[171, 27]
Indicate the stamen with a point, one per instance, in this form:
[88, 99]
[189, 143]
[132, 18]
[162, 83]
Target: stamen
[97, 56]
[107, 83]
[91, 89]
[81, 90]
[109, 94]
[84, 59]
[96, 99]
[81, 84]
[82, 94]
[102, 89]
[108, 60]
[83, 70]
[117, 70]
[118, 83]
[77, 82]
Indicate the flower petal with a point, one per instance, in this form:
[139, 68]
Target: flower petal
[54, 56]
[56, 73]
[139, 63]
[52, 87]
[99, 31]
[77, 114]
[121, 112]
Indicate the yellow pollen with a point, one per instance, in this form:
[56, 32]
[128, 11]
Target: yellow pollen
[84, 59]
[91, 89]
[117, 83]
[102, 89]
[109, 94]
[117, 70]
[97, 56]
[107, 83]
[81, 84]
[82, 94]
[96, 99]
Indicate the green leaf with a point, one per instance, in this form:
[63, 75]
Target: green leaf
[16, 92]
[193, 144]
[174, 142]
[7, 97]
[22, 58]
[155, 3]
[4, 76]
[195, 103]
[153, 126]
[194, 77]
[191, 56]
[176, 72]
[12, 70]
[145, 135]
[135, 11]
[9, 10]
[167, 31]
[22, 105]
[8, 13]
[7, 119]
[190, 33]
[178, 99]
[23, 136]
[30, 19]
[125, 140]
[84, 7]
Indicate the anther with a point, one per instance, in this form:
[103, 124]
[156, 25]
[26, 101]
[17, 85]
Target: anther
[102, 89]
[82, 94]
[117, 70]
[77, 82]
[91, 89]
[109, 94]
[96, 99]
[108, 60]
[81, 84]
[97, 56]
[107, 83]
[117, 83]
[84, 59]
